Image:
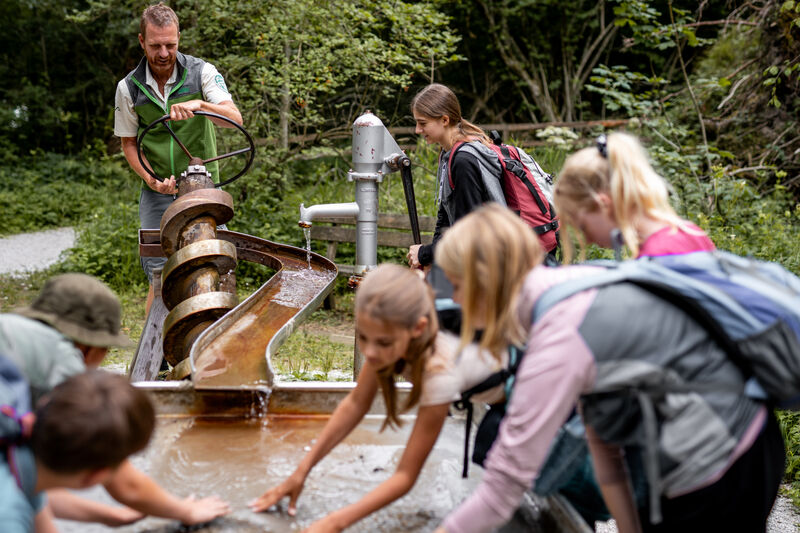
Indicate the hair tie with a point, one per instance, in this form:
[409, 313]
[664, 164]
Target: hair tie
[602, 145]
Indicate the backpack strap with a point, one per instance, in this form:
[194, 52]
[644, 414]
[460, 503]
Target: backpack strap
[504, 375]
[453, 150]
[15, 429]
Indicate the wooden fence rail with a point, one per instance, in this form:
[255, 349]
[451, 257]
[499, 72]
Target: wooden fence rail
[505, 129]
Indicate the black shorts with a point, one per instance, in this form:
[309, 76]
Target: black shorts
[740, 501]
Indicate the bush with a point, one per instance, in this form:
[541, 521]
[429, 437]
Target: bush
[107, 247]
[47, 190]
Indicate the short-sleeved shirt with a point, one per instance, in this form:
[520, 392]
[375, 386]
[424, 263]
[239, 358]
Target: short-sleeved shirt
[126, 121]
[449, 372]
[43, 355]
[671, 241]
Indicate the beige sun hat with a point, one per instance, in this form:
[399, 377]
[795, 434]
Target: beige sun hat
[82, 308]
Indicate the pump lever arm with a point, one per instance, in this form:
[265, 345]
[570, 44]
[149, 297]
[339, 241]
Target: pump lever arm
[411, 201]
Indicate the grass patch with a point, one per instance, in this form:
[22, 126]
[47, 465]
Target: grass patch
[321, 349]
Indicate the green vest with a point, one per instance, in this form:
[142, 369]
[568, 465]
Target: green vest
[197, 133]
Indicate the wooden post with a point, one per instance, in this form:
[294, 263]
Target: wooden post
[358, 361]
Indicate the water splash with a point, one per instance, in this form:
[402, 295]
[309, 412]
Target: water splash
[300, 286]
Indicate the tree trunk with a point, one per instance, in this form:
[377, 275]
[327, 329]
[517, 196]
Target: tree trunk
[285, 103]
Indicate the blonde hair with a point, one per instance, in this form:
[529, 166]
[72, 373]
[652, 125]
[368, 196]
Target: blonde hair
[489, 252]
[437, 101]
[635, 189]
[395, 295]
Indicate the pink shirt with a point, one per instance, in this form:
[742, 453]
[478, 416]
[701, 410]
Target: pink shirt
[672, 241]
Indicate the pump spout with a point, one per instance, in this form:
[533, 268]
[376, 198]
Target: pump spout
[307, 214]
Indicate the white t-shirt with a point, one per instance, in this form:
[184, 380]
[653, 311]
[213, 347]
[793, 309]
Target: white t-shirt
[126, 121]
[449, 372]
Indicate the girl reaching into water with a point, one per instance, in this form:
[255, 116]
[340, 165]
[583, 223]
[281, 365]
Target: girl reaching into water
[612, 190]
[717, 458]
[397, 333]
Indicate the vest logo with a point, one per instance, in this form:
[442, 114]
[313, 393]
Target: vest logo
[183, 90]
[220, 82]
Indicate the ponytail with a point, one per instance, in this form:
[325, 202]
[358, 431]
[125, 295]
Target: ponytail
[623, 172]
[470, 132]
[636, 189]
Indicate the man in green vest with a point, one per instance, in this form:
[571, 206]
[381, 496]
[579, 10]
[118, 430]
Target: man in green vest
[167, 82]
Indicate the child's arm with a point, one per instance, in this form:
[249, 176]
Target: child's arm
[135, 489]
[345, 417]
[426, 430]
[67, 505]
[43, 522]
[612, 477]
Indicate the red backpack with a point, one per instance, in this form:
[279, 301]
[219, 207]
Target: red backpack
[527, 188]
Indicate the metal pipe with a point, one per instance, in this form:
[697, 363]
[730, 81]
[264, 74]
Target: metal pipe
[307, 214]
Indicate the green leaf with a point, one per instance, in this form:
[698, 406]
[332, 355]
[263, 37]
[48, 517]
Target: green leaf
[691, 38]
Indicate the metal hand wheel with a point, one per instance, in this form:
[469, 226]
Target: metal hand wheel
[165, 119]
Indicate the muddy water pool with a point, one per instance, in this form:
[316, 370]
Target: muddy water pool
[238, 460]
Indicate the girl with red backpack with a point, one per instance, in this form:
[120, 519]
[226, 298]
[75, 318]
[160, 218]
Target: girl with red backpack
[475, 168]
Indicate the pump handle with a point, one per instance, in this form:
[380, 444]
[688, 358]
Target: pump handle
[251, 148]
[411, 201]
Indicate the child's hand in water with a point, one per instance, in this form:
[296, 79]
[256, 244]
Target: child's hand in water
[292, 486]
[204, 510]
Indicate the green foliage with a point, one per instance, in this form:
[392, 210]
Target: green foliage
[746, 222]
[309, 356]
[96, 194]
[46, 190]
[622, 90]
[107, 246]
[780, 76]
[790, 428]
[57, 74]
[299, 65]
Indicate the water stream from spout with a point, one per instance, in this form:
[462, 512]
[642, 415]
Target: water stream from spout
[307, 233]
[258, 405]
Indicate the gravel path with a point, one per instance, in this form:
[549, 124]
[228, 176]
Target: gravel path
[28, 252]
